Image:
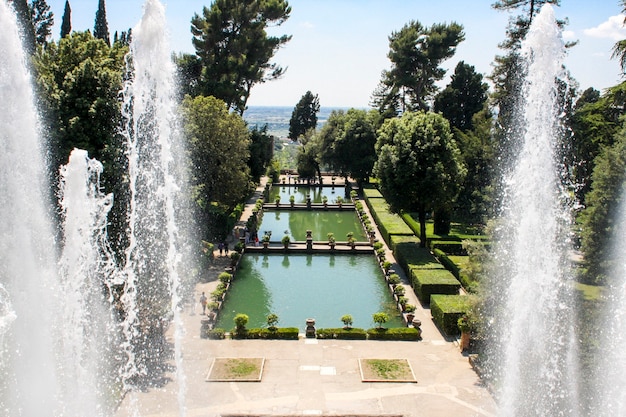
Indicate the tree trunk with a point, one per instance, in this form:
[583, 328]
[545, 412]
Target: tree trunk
[422, 218]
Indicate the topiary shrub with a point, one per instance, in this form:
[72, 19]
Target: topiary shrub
[216, 334]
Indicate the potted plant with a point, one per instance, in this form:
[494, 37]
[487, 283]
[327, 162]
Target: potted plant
[402, 300]
[292, 200]
[399, 290]
[410, 313]
[277, 200]
[351, 239]
[465, 327]
[272, 320]
[393, 280]
[347, 321]
[339, 201]
[380, 318]
[325, 201]
[331, 240]
[265, 240]
[234, 258]
[285, 241]
[240, 324]
[386, 267]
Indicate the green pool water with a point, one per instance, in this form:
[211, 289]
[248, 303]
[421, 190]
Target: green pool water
[297, 287]
[320, 222]
[300, 192]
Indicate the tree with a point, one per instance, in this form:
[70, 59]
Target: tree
[415, 53]
[261, 152]
[101, 26]
[42, 19]
[600, 218]
[304, 115]
[419, 164]
[464, 96]
[22, 11]
[232, 43]
[66, 25]
[272, 320]
[380, 318]
[218, 143]
[347, 143]
[619, 49]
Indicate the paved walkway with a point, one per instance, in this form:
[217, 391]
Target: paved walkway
[316, 377]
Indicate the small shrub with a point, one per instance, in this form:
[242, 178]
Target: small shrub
[272, 320]
[346, 319]
[377, 245]
[216, 334]
[224, 277]
[399, 290]
[380, 318]
[394, 279]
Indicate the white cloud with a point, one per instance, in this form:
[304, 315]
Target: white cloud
[613, 28]
[307, 25]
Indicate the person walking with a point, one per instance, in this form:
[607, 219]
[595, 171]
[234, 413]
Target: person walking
[203, 301]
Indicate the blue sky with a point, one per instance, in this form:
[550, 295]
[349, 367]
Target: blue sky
[339, 47]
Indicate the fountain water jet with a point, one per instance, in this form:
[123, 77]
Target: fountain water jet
[534, 350]
[27, 255]
[158, 251]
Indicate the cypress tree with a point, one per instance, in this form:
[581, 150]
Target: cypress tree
[101, 27]
[66, 25]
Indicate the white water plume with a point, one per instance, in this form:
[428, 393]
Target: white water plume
[535, 323]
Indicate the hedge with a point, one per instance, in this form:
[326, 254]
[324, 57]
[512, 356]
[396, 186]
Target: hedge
[388, 223]
[450, 247]
[447, 310]
[216, 334]
[280, 333]
[447, 263]
[395, 333]
[372, 193]
[427, 282]
[408, 253]
[353, 333]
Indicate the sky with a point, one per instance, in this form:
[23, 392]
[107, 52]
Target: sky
[339, 47]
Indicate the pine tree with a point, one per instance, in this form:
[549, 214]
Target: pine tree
[42, 19]
[101, 27]
[66, 25]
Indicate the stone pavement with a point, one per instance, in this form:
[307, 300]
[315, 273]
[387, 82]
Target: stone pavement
[316, 377]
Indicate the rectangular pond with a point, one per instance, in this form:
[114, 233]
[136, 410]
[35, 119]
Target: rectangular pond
[296, 222]
[297, 287]
[301, 191]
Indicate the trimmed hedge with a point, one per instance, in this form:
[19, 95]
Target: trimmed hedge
[388, 223]
[447, 263]
[372, 193]
[394, 333]
[447, 310]
[427, 282]
[281, 333]
[409, 254]
[216, 334]
[353, 333]
[450, 247]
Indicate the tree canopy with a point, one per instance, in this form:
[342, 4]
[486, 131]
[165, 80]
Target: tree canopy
[234, 48]
[304, 115]
[416, 53]
[43, 19]
[419, 165]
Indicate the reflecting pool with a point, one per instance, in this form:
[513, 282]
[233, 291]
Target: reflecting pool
[301, 191]
[297, 287]
[320, 222]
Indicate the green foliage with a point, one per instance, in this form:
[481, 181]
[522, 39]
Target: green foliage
[241, 320]
[415, 53]
[285, 240]
[599, 219]
[427, 282]
[42, 19]
[352, 333]
[419, 164]
[66, 23]
[396, 333]
[278, 333]
[272, 320]
[101, 26]
[388, 223]
[380, 318]
[225, 277]
[304, 116]
[260, 152]
[448, 309]
[346, 319]
[463, 97]
[394, 279]
[347, 143]
[273, 171]
[232, 43]
[216, 334]
[218, 144]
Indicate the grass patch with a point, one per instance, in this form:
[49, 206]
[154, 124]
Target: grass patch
[236, 369]
[386, 370]
[589, 292]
